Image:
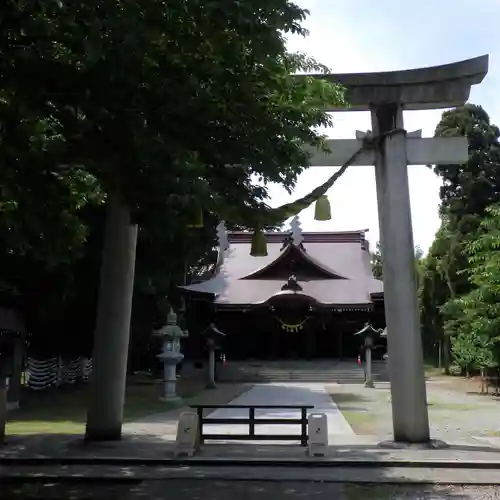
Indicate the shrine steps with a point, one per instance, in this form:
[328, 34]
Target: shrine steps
[299, 371]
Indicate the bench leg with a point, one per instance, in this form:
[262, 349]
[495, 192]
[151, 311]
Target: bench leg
[303, 426]
[201, 439]
[251, 425]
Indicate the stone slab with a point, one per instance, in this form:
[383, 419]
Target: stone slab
[135, 451]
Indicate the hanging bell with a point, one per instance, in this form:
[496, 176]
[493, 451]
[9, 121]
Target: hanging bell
[322, 209]
[197, 220]
[259, 244]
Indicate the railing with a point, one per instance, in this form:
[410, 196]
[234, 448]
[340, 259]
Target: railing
[252, 421]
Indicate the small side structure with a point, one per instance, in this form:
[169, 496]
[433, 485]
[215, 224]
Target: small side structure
[305, 299]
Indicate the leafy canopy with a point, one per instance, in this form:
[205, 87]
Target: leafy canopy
[173, 105]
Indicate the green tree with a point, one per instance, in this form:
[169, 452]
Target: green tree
[376, 260]
[472, 352]
[86, 107]
[467, 191]
[471, 187]
[476, 315]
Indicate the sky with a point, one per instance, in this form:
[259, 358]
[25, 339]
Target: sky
[367, 35]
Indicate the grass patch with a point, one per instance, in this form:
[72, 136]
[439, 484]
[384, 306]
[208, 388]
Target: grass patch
[493, 433]
[452, 406]
[357, 409]
[360, 421]
[433, 371]
[63, 410]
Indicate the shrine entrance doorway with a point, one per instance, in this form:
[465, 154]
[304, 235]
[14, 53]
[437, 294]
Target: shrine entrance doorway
[261, 335]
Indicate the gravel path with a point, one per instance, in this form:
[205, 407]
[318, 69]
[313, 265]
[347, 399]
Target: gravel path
[454, 415]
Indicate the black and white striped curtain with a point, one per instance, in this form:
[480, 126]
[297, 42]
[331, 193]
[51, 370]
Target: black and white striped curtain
[54, 372]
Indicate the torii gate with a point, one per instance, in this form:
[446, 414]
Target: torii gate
[386, 95]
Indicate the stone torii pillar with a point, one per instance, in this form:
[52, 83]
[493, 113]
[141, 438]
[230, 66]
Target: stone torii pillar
[386, 95]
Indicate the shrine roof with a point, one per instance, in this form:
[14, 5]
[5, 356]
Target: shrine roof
[345, 254]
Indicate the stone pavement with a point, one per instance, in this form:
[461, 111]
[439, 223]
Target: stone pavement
[291, 490]
[282, 393]
[148, 457]
[226, 489]
[150, 450]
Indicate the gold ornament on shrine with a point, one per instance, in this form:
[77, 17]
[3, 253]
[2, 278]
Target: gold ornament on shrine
[292, 327]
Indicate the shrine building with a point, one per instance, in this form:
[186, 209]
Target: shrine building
[305, 299]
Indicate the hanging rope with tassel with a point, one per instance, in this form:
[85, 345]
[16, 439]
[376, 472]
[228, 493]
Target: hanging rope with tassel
[279, 215]
[318, 195]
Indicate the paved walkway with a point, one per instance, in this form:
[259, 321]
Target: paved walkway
[285, 393]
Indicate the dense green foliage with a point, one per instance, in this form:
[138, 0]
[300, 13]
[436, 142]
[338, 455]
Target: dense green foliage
[177, 107]
[457, 295]
[377, 263]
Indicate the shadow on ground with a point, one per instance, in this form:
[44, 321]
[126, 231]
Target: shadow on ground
[101, 471]
[181, 489]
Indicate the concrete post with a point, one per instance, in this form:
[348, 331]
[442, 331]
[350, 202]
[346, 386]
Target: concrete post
[368, 361]
[108, 379]
[211, 368]
[408, 392]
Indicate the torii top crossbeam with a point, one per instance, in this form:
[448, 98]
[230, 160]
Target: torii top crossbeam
[435, 87]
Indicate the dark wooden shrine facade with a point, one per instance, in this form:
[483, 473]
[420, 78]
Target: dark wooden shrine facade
[303, 300]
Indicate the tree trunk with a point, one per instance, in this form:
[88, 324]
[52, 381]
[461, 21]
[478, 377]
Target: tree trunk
[14, 390]
[446, 340]
[446, 354]
[111, 340]
[3, 407]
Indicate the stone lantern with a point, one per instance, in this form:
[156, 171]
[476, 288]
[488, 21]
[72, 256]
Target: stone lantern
[171, 355]
[368, 334]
